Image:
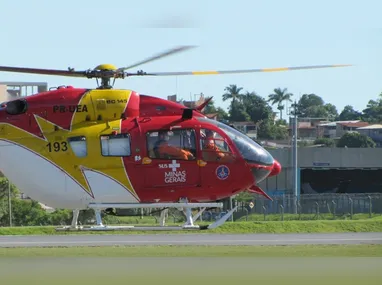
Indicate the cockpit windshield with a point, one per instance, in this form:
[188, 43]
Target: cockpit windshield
[249, 149]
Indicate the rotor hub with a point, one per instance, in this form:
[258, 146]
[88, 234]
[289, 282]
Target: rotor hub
[105, 67]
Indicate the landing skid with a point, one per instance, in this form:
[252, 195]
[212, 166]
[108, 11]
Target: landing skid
[183, 205]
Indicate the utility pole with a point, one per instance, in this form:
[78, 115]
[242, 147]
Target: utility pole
[9, 203]
[294, 158]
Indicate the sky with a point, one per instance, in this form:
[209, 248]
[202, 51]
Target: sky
[228, 34]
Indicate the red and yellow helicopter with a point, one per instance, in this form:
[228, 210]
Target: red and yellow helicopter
[104, 148]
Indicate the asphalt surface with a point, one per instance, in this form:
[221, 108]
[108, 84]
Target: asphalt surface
[189, 239]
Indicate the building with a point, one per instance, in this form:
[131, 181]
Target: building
[10, 90]
[307, 127]
[343, 128]
[248, 128]
[188, 104]
[335, 130]
[327, 170]
[372, 131]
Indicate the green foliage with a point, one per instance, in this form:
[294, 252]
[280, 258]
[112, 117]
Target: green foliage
[4, 189]
[325, 141]
[30, 213]
[348, 114]
[244, 197]
[278, 97]
[373, 111]
[355, 139]
[313, 106]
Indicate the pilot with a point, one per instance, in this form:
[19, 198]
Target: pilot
[213, 152]
[163, 149]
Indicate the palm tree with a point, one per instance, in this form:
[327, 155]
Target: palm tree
[278, 97]
[232, 92]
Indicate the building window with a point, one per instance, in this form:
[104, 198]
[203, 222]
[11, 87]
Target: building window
[175, 144]
[79, 146]
[115, 145]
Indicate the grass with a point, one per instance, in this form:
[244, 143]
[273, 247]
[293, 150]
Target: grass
[309, 217]
[186, 265]
[318, 226]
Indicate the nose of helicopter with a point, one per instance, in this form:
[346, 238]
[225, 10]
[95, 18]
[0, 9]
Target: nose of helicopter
[260, 173]
[276, 169]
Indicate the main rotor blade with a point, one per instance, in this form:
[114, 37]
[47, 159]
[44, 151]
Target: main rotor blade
[158, 56]
[214, 72]
[43, 71]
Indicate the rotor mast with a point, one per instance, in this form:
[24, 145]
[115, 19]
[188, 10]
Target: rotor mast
[105, 72]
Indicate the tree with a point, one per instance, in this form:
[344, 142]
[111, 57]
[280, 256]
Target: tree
[355, 139]
[238, 113]
[233, 93]
[256, 107]
[348, 114]
[4, 189]
[278, 97]
[331, 110]
[268, 129]
[313, 106]
[373, 111]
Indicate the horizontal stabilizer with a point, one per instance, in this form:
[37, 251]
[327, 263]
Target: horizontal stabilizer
[204, 104]
[257, 190]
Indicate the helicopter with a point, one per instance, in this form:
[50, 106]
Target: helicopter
[105, 148]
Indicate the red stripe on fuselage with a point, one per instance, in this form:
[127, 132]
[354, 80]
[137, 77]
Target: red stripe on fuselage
[56, 106]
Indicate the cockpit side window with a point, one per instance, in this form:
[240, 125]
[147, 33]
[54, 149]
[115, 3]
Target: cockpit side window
[248, 148]
[16, 107]
[214, 147]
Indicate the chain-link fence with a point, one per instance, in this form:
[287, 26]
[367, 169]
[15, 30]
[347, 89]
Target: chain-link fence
[282, 208]
[313, 206]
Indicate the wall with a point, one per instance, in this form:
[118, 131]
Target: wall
[3, 92]
[320, 157]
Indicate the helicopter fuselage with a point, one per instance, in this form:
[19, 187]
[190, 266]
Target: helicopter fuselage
[70, 147]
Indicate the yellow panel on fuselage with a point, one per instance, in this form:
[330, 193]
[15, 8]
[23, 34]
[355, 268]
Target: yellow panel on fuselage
[56, 148]
[102, 105]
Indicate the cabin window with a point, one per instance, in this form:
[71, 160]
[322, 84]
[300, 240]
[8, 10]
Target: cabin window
[214, 147]
[79, 146]
[172, 144]
[115, 145]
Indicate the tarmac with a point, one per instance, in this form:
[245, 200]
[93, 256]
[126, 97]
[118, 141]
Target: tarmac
[189, 239]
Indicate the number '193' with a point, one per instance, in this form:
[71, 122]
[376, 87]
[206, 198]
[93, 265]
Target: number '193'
[57, 146]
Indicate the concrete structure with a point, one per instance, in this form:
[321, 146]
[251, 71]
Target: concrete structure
[330, 159]
[9, 89]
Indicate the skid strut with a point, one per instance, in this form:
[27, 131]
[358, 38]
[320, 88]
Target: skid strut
[183, 205]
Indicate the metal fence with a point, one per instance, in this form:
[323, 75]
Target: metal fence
[315, 206]
[290, 207]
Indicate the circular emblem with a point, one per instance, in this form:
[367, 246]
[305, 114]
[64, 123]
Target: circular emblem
[222, 172]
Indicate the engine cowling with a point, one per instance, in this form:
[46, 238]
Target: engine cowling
[114, 104]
